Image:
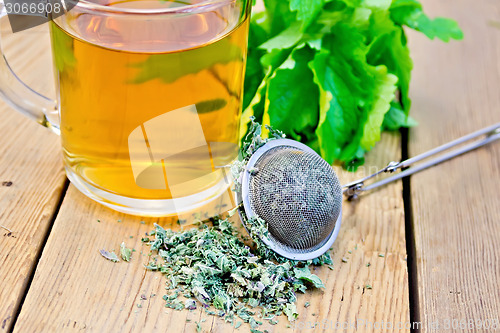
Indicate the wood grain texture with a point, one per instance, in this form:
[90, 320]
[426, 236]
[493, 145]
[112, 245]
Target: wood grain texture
[456, 208]
[75, 289]
[31, 182]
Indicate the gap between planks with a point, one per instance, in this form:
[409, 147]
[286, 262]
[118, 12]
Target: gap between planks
[36, 260]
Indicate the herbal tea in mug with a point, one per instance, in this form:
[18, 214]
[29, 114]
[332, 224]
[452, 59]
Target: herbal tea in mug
[149, 99]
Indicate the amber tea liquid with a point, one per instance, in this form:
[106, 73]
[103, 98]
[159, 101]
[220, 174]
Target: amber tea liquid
[146, 107]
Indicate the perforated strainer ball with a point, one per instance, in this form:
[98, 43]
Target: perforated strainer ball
[298, 194]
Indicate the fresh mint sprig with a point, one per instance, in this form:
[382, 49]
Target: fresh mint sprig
[335, 73]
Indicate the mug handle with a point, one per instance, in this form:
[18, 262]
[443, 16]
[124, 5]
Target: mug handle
[15, 92]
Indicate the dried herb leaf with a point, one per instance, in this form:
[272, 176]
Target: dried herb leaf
[305, 274]
[190, 304]
[109, 255]
[125, 252]
[219, 270]
[198, 325]
[291, 312]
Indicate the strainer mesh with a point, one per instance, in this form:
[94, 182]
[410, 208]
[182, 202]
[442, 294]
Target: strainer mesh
[299, 196]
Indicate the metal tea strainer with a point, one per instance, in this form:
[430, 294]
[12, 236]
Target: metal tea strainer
[298, 194]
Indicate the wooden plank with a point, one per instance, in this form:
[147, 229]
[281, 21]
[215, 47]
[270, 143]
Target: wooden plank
[31, 180]
[455, 91]
[75, 288]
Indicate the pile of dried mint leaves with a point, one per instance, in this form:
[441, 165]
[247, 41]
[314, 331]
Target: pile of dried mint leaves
[212, 264]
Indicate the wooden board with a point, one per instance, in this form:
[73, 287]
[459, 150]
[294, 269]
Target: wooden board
[31, 182]
[456, 90]
[74, 288]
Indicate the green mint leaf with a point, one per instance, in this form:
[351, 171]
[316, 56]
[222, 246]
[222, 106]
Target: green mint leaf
[307, 10]
[440, 27]
[385, 87]
[278, 16]
[273, 59]
[354, 95]
[410, 13]
[396, 118]
[337, 71]
[381, 5]
[285, 39]
[287, 87]
[388, 47]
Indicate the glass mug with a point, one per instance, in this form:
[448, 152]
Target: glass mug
[148, 100]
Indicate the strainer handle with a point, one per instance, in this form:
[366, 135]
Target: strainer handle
[352, 190]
